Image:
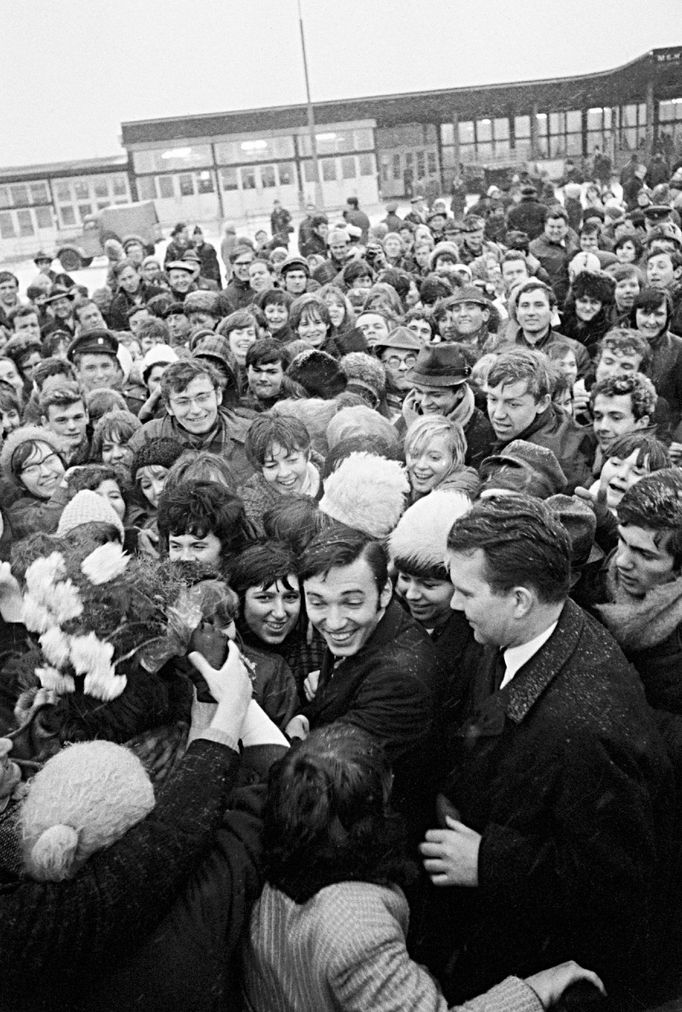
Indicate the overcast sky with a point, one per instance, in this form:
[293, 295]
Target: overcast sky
[73, 71]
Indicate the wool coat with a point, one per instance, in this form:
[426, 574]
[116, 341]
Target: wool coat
[566, 778]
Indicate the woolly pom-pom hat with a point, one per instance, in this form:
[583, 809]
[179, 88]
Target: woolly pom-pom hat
[88, 507]
[366, 493]
[25, 434]
[441, 248]
[319, 373]
[419, 542]
[594, 284]
[365, 375]
[84, 799]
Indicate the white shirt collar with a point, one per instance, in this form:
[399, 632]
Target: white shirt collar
[516, 657]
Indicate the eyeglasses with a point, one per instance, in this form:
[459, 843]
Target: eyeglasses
[201, 400]
[396, 362]
[50, 461]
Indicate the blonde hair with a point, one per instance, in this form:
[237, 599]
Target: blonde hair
[428, 427]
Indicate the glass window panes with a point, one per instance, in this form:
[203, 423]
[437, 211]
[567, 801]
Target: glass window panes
[409, 160]
[309, 171]
[204, 181]
[145, 188]
[6, 226]
[120, 186]
[43, 217]
[287, 174]
[63, 192]
[501, 127]
[164, 185]
[595, 119]
[101, 204]
[557, 122]
[268, 176]
[396, 166]
[5, 200]
[502, 147]
[574, 144]
[180, 157]
[363, 138]
[19, 195]
[348, 167]
[384, 171]
[541, 119]
[421, 164]
[328, 169]
[25, 222]
[670, 111]
[256, 149]
[81, 189]
[228, 179]
[484, 130]
[447, 133]
[39, 193]
[432, 163]
[522, 126]
[574, 121]
[84, 210]
[466, 132]
[101, 188]
[68, 215]
[248, 179]
[366, 165]
[186, 185]
[485, 151]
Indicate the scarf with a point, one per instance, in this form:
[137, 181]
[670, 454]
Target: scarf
[638, 623]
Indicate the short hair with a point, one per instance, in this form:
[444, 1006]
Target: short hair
[383, 295]
[285, 430]
[294, 519]
[339, 546]
[90, 477]
[625, 341]
[118, 268]
[532, 285]
[650, 451]
[82, 304]
[273, 297]
[155, 328]
[428, 427]
[514, 256]
[640, 390]
[675, 256]
[202, 466]
[560, 350]
[353, 201]
[629, 237]
[327, 809]
[19, 312]
[121, 424]
[101, 400]
[522, 542]
[309, 307]
[239, 251]
[8, 398]
[592, 226]
[354, 270]
[60, 397]
[420, 313]
[54, 339]
[650, 299]
[178, 376]
[619, 272]
[201, 508]
[556, 211]
[522, 364]
[267, 351]
[8, 276]
[262, 565]
[53, 366]
[238, 320]
[655, 503]
[134, 310]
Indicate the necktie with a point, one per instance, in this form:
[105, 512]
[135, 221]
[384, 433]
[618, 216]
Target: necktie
[498, 672]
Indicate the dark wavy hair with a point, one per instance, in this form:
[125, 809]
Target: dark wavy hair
[202, 508]
[327, 817]
[523, 545]
[655, 503]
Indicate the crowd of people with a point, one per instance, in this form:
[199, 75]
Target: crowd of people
[341, 611]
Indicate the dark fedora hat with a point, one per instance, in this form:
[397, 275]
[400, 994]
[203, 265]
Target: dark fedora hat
[440, 365]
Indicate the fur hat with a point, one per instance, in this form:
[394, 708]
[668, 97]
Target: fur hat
[366, 376]
[366, 493]
[84, 508]
[361, 420]
[318, 373]
[523, 467]
[84, 799]
[159, 452]
[441, 248]
[595, 284]
[202, 302]
[420, 539]
[25, 434]
[158, 354]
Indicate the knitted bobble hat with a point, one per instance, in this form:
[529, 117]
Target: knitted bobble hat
[159, 452]
[366, 493]
[421, 536]
[84, 799]
[87, 507]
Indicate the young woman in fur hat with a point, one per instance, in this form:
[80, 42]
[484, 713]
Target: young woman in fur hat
[32, 461]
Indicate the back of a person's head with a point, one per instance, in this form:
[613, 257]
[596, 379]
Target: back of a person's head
[294, 519]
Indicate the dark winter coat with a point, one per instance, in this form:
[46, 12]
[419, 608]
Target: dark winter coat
[564, 775]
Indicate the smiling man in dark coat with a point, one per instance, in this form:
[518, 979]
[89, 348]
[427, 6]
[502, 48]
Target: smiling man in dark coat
[560, 781]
